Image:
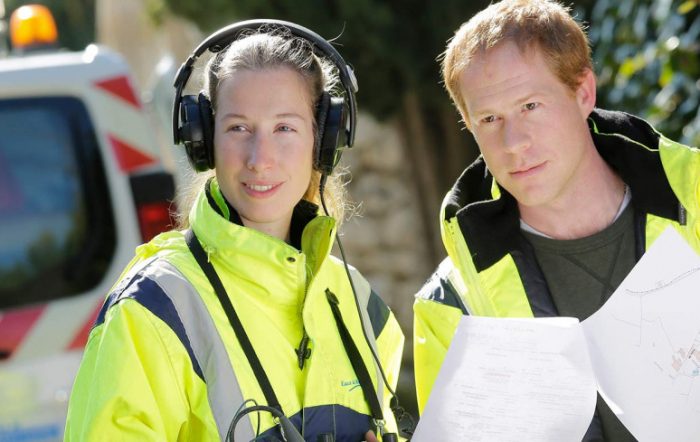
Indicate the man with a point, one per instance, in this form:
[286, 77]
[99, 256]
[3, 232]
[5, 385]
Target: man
[564, 199]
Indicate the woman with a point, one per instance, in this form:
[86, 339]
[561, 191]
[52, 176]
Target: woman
[244, 305]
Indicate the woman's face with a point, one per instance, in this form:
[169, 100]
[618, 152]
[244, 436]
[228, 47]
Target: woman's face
[263, 145]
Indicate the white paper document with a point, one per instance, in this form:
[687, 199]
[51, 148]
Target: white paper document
[536, 379]
[511, 380]
[644, 344]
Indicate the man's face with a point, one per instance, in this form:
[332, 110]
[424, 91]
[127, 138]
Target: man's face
[531, 128]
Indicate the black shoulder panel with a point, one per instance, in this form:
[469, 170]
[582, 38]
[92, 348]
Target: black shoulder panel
[439, 289]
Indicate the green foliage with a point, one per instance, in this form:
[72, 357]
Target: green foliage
[646, 56]
[75, 19]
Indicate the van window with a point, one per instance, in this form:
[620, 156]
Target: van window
[57, 233]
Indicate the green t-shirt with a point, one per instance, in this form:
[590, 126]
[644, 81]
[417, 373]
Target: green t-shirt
[582, 274]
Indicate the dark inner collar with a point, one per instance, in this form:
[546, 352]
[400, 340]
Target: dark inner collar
[303, 213]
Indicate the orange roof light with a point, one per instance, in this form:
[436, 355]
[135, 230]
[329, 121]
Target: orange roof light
[32, 26]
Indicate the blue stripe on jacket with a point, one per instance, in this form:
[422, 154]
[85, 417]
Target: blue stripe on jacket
[151, 296]
[345, 424]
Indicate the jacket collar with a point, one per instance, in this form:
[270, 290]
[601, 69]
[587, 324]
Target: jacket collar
[219, 227]
[303, 213]
[489, 219]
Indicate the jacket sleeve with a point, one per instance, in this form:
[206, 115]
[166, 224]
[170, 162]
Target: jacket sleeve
[434, 325]
[130, 383]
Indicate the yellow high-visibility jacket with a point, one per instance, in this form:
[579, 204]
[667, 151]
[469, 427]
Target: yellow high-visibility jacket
[163, 362]
[491, 269]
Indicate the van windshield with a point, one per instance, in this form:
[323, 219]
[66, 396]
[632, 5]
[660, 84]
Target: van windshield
[56, 229]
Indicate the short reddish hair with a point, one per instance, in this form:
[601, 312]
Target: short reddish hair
[545, 25]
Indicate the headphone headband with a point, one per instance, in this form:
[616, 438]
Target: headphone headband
[225, 36]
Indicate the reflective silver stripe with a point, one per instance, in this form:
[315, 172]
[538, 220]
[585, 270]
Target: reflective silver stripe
[363, 293]
[223, 391]
[452, 274]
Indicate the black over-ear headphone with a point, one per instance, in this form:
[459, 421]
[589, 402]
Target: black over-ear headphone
[193, 120]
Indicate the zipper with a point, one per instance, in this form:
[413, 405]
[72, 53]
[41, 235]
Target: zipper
[302, 351]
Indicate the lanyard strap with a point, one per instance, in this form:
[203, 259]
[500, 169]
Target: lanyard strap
[209, 271]
[353, 353]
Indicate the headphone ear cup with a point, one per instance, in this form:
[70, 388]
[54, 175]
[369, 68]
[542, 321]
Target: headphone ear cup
[207, 114]
[196, 130]
[331, 137]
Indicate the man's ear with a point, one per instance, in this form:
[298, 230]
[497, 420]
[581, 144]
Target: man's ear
[468, 126]
[586, 93]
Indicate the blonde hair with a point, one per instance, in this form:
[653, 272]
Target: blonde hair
[530, 24]
[265, 49]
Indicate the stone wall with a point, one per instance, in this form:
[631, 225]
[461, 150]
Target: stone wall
[384, 240]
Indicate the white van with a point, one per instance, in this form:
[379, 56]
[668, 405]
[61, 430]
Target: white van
[81, 185]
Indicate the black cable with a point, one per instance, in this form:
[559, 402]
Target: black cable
[231, 427]
[399, 412]
[275, 408]
[358, 365]
[289, 431]
[209, 271]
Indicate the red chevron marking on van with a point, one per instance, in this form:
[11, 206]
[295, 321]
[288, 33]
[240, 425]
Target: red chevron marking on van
[128, 157]
[14, 327]
[81, 337]
[120, 87]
